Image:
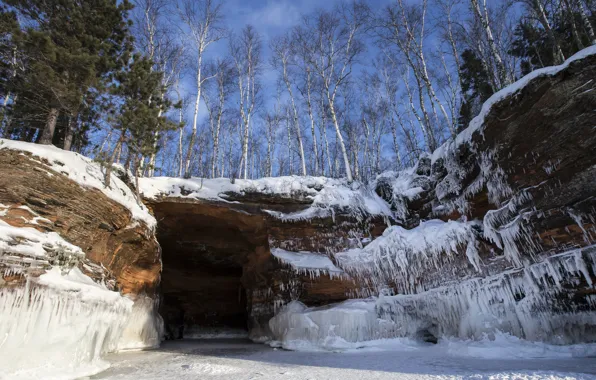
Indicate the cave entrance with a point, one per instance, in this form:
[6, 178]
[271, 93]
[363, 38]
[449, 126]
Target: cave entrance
[204, 252]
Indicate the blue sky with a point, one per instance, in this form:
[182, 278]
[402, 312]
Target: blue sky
[271, 18]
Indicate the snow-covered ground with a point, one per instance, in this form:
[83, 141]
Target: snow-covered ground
[403, 359]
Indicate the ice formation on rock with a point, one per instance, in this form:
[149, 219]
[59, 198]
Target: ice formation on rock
[59, 325]
[327, 327]
[531, 303]
[402, 255]
[398, 188]
[60, 322]
[22, 248]
[144, 327]
[312, 263]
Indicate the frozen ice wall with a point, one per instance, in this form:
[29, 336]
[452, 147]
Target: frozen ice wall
[144, 326]
[337, 326]
[404, 256]
[59, 323]
[535, 303]
[59, 326]
[531, 303]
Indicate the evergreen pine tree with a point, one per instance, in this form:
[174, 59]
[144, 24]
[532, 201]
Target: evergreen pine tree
[140, 104]
[71, 47]
[476, 88]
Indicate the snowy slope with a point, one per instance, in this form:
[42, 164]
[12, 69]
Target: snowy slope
[85, 172]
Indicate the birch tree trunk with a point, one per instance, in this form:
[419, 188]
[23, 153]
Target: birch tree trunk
[340, 139]
[558, 55]
[586, 21]
[500, 66]
[574, 31]
[324, 129]
[193, 133]
[312, 124]
[295, 120]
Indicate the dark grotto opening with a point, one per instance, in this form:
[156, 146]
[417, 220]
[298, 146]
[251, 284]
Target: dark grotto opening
[205, 249]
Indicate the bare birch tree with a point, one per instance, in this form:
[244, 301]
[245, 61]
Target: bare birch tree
[330, 42]
[203, 22]
[283, 59]
[246, 51]
[215, 97]
[501, 76]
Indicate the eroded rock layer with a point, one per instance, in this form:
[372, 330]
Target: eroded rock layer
[37, 196]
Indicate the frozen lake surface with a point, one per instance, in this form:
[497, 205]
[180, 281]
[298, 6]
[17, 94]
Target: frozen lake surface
[242, 360]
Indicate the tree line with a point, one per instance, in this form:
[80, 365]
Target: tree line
[169, 88]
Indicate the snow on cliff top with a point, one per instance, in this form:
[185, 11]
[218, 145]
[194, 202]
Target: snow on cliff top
[85, 172]
[477, 123]
[324, 193]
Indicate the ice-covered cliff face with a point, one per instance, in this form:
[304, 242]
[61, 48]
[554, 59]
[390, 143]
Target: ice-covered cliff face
[497, 230]
[492, 234]
[69, 249]
[59, 321]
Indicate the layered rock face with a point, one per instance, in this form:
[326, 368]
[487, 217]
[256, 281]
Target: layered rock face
[38, 196]
[79, 264]
[525, 171]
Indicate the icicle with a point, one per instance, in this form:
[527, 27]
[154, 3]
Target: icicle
[62, 327]
[577, 217]
[519, 302]
[144, 327]
[311, 264]
[402, 256]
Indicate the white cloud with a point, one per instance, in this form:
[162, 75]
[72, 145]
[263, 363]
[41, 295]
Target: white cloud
[276, 14]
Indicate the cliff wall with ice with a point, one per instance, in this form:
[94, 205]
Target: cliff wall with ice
[79, 265]
[494, 231]
[491, 234]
